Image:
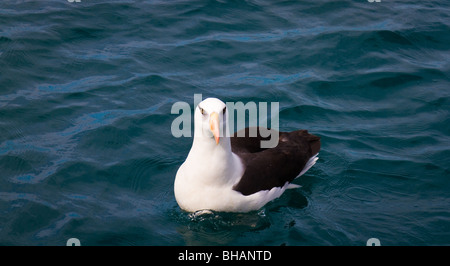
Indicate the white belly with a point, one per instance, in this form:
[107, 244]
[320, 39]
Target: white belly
[193, 195]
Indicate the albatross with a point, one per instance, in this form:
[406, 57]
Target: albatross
[234, 174]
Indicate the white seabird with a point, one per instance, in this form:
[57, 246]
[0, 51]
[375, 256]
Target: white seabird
[233, 174]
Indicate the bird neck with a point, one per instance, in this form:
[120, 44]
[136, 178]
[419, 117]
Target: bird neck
[207, 146]
[216, 163]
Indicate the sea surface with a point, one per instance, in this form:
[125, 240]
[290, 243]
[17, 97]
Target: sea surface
[87, 89]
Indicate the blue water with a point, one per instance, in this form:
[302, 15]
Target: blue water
[86, 90]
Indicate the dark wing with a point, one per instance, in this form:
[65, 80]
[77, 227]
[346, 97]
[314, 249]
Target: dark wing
[273, 167]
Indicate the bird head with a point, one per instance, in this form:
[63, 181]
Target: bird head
[211, 116]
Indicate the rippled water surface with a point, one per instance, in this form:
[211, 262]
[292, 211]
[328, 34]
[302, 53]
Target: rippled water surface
[86, 91]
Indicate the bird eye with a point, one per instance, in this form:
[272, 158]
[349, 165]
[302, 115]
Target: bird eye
[201, 110]
[224, 109]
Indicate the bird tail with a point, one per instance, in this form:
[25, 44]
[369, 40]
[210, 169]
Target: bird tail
[314, 143]
[309, 164]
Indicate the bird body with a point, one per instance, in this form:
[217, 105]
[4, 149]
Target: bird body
[233, 174]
